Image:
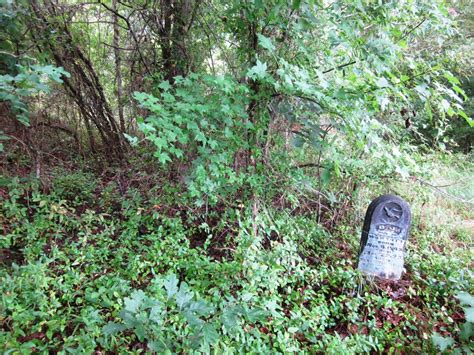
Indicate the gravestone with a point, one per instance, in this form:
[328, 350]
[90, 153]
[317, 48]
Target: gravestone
[384, 236]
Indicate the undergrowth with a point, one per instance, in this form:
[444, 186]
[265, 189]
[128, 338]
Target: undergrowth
[88, 267]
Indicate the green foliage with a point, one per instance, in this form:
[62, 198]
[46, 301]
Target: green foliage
[351, 94]
[201, 123]
[467, 331]
[467, 301]
[147, 317]
[441, 342]
[29, 81]
[11, 27]
[20, 79]
[77, 187]
[139, 276]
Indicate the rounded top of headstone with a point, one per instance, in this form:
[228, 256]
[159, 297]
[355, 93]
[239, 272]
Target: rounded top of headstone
[390, 210]
[389, 198]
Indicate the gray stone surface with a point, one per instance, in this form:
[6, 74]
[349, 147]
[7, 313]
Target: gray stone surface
[384, 236]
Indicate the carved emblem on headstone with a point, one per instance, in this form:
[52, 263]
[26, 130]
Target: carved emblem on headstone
[384, 237]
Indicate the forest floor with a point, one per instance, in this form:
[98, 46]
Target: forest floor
[85, 269]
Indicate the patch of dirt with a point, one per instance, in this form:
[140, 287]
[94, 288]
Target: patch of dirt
[10, 256]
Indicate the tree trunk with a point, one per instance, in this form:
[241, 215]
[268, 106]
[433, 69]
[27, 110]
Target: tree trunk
[83, 86]
[118, 72]
[176, 18]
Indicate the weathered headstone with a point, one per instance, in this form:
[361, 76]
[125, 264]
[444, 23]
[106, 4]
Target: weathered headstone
[384, 236]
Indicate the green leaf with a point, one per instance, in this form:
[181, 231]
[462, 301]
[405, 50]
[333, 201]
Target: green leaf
[265, 42]
[4, 181]
[465, 298]
[460, 91]
[155, 314]
[469, 314]
[160, 142]
[259, 71]
[183, 296]
[256, 314]
[140, 331]
[441, 342]
[113, 328]
[451, 78]
[132, 140]
[200, 307]
[469, 120]
[192, 319]
[171, 285]
[467, 331]
[326, 176]
[158, 346]
[210, 334]
[165, 85]
[296, 4]
[4, 137]
[133, 304]
[230, 317]
[54, 73]
[147, 101]
[164, 158]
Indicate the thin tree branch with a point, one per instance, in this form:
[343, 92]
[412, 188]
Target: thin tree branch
[131, 32]
[413, 28]
[340, 67]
